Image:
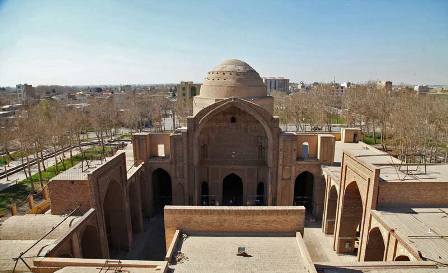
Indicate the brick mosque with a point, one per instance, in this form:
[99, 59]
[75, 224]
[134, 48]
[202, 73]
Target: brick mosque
[232, 192]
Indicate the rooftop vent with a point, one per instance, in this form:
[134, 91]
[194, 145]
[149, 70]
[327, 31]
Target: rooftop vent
[242, 252]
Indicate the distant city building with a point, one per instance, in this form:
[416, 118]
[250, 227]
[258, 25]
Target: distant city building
[187, 90]
[387, 85]
[276, 84]
[421, 88]
[26, 93]
[337, 89]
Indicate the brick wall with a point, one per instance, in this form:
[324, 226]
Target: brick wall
[66, 195]
[397, 194]
[233, 219]
[312, 145]
[155, 140]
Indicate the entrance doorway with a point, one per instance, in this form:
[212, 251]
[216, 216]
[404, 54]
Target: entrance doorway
[161, 186]
[259, 201]
[303, 191]
[204, 194]
[232, 191]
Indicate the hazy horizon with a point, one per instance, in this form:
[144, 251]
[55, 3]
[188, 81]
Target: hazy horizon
[86, 43]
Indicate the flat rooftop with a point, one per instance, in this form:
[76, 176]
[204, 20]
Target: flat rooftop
[218, 253]
[392, 169]
[18, 233]
[424, 229]
[80, 171]
[381, 267]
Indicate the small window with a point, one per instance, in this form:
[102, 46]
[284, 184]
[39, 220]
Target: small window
[305, 150]
[161, 150]
[232, 120]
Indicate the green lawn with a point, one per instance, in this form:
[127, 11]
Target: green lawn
[126, 136]
[368, 138]
[336, 119]
[4, 159]
[19, 192]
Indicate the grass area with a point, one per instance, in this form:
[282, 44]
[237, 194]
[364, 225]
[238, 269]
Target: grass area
[368, 138]
[19, 192]
[336, 119]
[126, 136]
[4, 159]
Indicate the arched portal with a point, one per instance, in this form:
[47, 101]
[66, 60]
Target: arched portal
[402, 258]
[232, 191]
[115, 217]
[204, 194]
[219, 131]
[260, 194]
[303, 190]
[90, 243]
[351, 218]
[162, 189]
[331, 210]
[375, 246]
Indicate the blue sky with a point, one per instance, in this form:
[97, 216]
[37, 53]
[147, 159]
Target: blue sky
[118, 42]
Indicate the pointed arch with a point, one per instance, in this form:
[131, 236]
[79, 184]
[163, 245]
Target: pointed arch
[232, 190]
[351, 219]
[259, 113]
[90, 243]
[375, 246]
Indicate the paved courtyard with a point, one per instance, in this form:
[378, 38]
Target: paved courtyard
[219, 254]
[150, 244]
[320, 246]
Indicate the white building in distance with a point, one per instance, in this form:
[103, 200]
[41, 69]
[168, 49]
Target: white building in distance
[276, 84]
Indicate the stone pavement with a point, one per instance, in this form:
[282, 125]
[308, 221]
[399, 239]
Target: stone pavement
[320, 245]
[150, 244]
[208, 253]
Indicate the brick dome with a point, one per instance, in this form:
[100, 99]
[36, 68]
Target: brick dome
[233, 78]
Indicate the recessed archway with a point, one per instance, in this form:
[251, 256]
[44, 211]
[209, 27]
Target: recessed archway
[232, 190]
[90, 243]
[402, 258]
[204, 194]
[115, 217]
[350, 222]
[375, 246]
[303, 190]
[162, 189]
[331, 210]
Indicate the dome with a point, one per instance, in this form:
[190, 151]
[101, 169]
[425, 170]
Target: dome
[233, 78]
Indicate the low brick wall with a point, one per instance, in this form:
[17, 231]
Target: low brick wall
[419, 194]
[256, 219]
